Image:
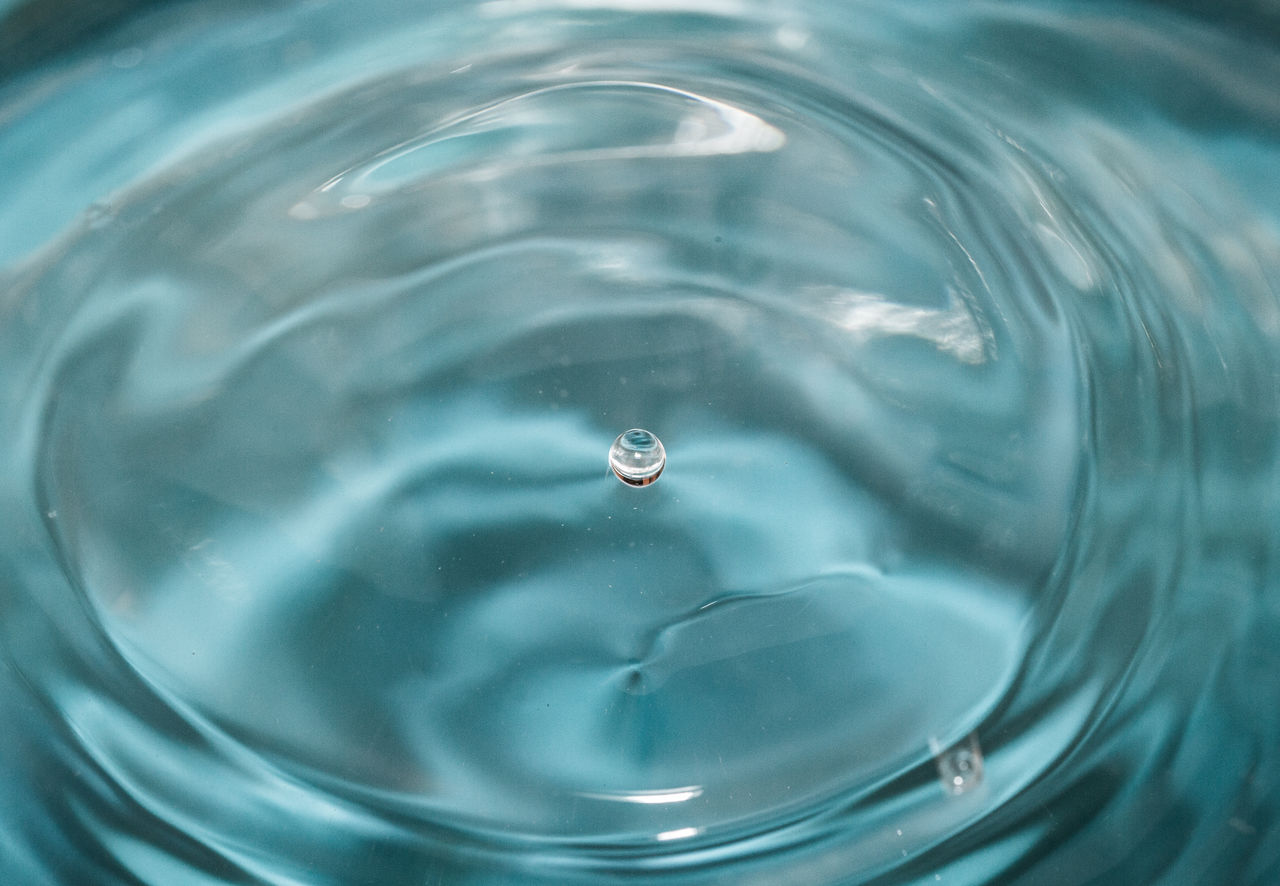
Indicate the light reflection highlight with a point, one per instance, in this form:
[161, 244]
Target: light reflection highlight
[649, 798]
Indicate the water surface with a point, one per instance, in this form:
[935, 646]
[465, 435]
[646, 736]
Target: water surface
[959, 325]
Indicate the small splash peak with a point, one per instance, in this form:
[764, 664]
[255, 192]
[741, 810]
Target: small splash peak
[637, 457]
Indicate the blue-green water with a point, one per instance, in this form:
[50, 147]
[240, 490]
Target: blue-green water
[959, 323]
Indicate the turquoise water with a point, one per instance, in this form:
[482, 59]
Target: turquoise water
[959, 324]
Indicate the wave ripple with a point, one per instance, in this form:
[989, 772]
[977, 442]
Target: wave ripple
[960, 326]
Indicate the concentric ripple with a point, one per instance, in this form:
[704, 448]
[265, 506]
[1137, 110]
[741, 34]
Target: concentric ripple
[959, 325]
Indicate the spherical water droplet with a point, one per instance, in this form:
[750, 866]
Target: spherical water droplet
[960, 766]
[637, 457]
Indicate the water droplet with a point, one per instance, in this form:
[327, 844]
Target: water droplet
[637, 457]
[959, 766]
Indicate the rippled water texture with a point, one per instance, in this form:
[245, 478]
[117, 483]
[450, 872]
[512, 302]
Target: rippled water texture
[959, 324]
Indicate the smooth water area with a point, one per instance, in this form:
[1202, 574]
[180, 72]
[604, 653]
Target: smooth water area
[959, 325]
